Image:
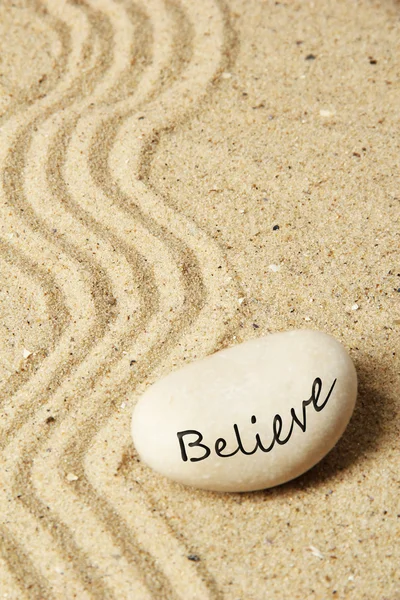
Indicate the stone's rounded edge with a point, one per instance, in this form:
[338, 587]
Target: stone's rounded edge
[133, 431]
[245, 487]
[136, 431]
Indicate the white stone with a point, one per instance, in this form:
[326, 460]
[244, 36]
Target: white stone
[265, 390]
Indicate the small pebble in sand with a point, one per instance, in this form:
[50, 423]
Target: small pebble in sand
[72, 477]
[26, 353]
[355, 307]
[248, 417]
[274, 268]
[324, 112]
[315, 552]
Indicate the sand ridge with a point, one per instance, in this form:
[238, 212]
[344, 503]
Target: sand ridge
[124, 211]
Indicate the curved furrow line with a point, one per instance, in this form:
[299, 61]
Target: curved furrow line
[51, 234]
[14, 183]
[100, 304]
[58, 314]
[181, 53]
[177, 102]
[10, 190]
[122, 329]
[9, 581]
[26, 581]
[10, 226]
[171, 337]
[47, 488]
[49, 82]
[91, 325]
[107, 349]
[114, 428]
[88, 312]
[24, 574]
[32, 246]
[15, 198]
[140, 57]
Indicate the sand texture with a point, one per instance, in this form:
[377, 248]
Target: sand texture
[177, 176]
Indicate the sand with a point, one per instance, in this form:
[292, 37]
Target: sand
[177, 177]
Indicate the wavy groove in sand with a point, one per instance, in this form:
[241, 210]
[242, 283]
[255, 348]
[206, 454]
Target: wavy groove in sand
[98, 210]
[106, 320]
[152, 359]
[24, 98]
[82, 55]
[159, 254]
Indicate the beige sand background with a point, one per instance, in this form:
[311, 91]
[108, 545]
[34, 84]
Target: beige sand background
[147, 150]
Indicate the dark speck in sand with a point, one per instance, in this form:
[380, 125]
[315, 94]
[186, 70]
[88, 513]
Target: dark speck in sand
[275, 227]
[311, 57]
[194, 557]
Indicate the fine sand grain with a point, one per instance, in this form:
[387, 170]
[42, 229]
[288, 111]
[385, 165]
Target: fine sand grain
[178, 176]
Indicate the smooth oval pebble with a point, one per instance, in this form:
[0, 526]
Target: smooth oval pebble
[249, 417]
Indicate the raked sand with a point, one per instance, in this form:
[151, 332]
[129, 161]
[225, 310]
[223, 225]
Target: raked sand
[176, 177]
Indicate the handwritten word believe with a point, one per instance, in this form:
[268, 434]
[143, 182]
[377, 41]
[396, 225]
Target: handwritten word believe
[277, 426]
